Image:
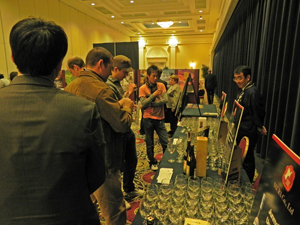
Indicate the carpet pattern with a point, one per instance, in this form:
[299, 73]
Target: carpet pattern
[143, 175]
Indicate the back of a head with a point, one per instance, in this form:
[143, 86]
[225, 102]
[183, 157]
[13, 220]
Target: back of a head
[12, 75]
[246, 70]
[75, 61]
[151, 69]
[97, 54]
[1, 76]
[38, 46]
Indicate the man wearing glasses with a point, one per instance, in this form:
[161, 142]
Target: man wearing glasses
[253, 115]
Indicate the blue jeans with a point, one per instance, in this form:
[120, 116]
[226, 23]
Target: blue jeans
[150, 126]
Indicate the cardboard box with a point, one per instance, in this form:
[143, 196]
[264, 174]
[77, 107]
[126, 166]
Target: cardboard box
[201, 154]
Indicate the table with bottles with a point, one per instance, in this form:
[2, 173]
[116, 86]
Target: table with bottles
[185, 196]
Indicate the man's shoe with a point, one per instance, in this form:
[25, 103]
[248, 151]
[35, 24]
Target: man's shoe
[136, 192]
[154, 167]
[127, 205]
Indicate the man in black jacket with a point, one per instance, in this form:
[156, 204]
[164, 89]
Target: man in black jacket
[210, 85]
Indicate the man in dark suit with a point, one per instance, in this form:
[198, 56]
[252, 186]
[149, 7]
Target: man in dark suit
[51, 151]
[210, 85]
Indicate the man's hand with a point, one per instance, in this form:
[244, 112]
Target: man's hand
[157, 92]
[131, 88]
[264, 131]
[126, 103]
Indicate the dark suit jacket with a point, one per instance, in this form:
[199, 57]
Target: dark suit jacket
[51, 157]
[210, 81]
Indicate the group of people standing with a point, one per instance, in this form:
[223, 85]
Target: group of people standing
[62, 148]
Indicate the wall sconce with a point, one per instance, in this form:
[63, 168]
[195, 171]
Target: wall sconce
[173, 41]
[192, 65]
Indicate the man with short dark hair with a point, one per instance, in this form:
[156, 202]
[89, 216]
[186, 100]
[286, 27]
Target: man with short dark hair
[153, 96]
[75, 65]
[51, 152]
[253, 115]
[121, 68]
[116, 118]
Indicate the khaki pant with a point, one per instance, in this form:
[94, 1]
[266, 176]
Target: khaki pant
[111, 200]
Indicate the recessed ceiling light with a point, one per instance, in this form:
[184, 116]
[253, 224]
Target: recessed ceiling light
[112, 16]
[179, 21]
[200, 11]
[131, 1]
[122, 22]
[201, 30]
[93, 3]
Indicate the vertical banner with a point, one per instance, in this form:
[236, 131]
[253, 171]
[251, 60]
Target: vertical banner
[278, 194]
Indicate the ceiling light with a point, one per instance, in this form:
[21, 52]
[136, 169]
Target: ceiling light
[112, 16]
[200, 11]
[200, 17]
[201, 30]
[122, 22]
[165, 24]
[92, 3]
[131, 1]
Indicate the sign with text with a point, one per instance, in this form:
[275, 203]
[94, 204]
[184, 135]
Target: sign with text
[277, 198]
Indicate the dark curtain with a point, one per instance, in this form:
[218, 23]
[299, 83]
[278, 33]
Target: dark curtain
[109, 46]
[265, 35]
[129, 49]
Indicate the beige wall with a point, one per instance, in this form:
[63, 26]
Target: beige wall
[81, 29]
[197, 53]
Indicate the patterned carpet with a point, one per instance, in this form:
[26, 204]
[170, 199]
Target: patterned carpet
[143, 175]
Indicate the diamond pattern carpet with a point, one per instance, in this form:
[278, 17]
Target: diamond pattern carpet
[143, 175]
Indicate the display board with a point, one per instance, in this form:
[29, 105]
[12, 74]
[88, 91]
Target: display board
[231, 170]
[277, 197]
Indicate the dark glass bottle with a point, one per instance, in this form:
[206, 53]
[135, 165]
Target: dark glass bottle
[192, 162]
[186, 155]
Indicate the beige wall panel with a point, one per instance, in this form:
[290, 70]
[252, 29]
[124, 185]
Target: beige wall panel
[75, 31]
[42, 9]
[198, 53]
[65, 23]
[9, 16]
[27, 8]
[53, 11]
[83, 37]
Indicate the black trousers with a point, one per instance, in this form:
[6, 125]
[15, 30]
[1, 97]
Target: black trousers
[249, 162]
[210, 95]
[130, 161]
[172, 119]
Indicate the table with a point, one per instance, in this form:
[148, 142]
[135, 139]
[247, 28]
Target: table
[177, 169]
[205, 110]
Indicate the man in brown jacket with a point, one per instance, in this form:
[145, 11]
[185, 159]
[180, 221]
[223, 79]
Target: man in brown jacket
[116, 119]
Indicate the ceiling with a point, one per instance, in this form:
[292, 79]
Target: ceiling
[139, 18]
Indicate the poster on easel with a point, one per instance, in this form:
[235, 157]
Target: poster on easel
[232, 154]
[277, 197]
[165, 75]
[223, 126]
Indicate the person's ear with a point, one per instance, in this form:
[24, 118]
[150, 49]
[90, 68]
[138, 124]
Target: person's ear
[12, 58]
